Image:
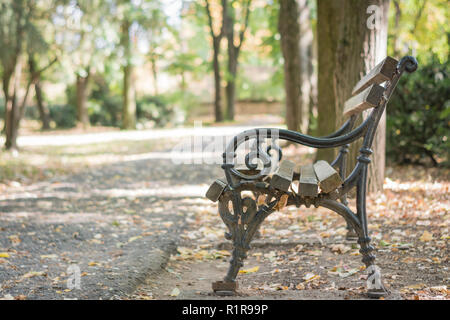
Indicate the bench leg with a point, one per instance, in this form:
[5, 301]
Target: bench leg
[375, 286]
[243, 224]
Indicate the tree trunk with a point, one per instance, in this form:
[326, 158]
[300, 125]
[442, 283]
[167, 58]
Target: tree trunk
[129, 93]
[11, 84]
[217, 78]
[155, 76]
[231, 83]
[230, 89]
[306, 68]
[129, 98]
[44, 113]
[216, 40]
[233, 52]
[289, 28]
[82, 97]
[349, 46]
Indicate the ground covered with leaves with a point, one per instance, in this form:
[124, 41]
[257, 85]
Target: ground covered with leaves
[138, 227]
[302, 253]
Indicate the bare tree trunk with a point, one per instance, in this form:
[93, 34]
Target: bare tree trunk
[129, 92]
[216, 40]
[82, 97]
[306, 60]
[129, 98]
[289, 28]
[231, 82]
[44, 113]
[11, 84]
[155, 76]
[217, 79]
[233, 52]
[349, 48]
[35, 80]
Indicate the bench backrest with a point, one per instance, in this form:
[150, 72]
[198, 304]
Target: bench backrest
[368, 92]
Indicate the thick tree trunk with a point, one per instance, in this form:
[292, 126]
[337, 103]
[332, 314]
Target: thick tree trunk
[306, 68]
[82, 97]
[289, 28]
[349, 46]
[129, 92]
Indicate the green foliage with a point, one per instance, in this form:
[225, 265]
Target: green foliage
[419, 28]
[104, 106]
[64, 115]
[418, 116]
[159, 111]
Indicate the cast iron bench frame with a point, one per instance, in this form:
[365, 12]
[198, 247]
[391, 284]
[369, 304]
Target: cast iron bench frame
[248, 213]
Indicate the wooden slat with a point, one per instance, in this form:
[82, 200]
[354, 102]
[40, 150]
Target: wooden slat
[381, 73]
[329, 179]
[308, 185]
[369, 98]
[283, 177]
[215, 190]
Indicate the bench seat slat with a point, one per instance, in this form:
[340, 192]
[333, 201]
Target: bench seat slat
[308, 185]
[366, 99]
[215, 190]
[282, 179]
[381, 73]
[329, 178]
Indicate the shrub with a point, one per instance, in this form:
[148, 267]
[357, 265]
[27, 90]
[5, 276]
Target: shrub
[64, 115]
[418, 117]
[160, 111]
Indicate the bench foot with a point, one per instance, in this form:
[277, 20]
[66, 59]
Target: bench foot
[377, 293]
[223, 288]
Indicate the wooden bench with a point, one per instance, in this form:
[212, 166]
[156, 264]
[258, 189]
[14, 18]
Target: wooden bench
[319, 184]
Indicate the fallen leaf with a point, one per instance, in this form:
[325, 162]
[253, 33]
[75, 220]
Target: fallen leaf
[134, 238]
[175, 292]
[310, 277]
[251, 270]
[426, 236]
[49, 256]
[33, 274]
[340, 248]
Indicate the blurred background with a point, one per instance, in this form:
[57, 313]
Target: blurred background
[86, 66]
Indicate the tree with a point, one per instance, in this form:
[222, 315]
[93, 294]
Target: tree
[233, 48]
[352, 39]
[133, 19]
[296, 43]
[19, 37]
[86, 41]
[216, 41]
